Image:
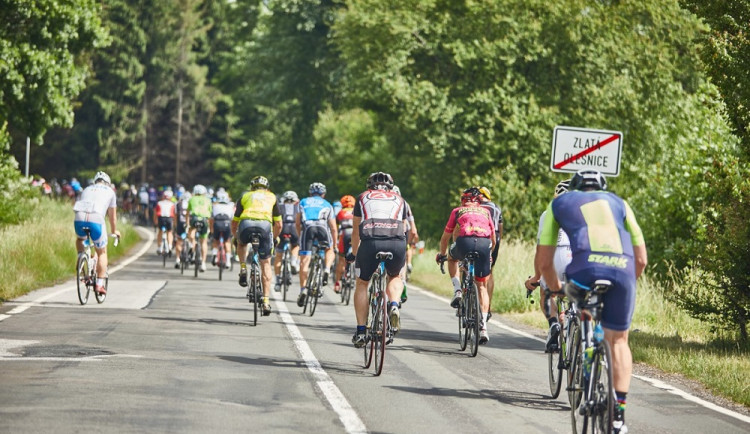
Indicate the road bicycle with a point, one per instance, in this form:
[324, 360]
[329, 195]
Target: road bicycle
[593, 393]
[468, 312]
[286, 264]
[164, 247]
[348, 280]
[86, 271]
[568, 338]
[254, 284]
[197, 252]
[379, 329]
[314, 282]
[186, 253]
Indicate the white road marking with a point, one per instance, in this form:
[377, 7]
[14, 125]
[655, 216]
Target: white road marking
[349, 418]
[36, 302]
[652, 381]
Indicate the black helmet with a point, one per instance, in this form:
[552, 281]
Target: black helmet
[259, 182]
[588, 179]
[471, 194]
[379, 179]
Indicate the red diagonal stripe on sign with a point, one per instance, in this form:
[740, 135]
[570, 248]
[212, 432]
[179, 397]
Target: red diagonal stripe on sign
[587, 151]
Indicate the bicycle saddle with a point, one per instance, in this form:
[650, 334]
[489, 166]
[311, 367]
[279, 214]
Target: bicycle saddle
[383, 256]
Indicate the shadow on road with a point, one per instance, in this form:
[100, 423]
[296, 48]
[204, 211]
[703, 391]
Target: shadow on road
[510, 397]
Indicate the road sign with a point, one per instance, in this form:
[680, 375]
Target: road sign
[575, 149]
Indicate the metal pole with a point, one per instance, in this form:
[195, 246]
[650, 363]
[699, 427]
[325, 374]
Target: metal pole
[28, 151]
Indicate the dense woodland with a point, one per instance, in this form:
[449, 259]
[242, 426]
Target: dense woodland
[441, 93]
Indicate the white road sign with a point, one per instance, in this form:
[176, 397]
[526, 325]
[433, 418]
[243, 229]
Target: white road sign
[575, 149]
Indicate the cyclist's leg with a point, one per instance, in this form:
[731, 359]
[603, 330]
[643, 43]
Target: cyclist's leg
[265, 248]
[306, 243]
[365, 265]
[393, 266]
[79, 224]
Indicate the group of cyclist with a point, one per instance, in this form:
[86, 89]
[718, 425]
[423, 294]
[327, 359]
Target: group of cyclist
[585, 234]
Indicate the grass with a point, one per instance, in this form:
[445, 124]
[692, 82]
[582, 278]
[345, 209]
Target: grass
[662, 335]
[40, 251]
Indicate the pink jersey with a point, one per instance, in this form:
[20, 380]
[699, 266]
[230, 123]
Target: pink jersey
[165, 208]
[472, 221]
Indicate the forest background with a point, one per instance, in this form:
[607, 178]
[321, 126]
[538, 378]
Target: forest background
[443, 94]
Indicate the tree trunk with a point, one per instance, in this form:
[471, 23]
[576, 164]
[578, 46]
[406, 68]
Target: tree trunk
[178, 159]
[144, 140]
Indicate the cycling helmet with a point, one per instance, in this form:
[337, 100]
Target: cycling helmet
[348, 201]
[168, 194]
[210, 191]
[471, 194]
[103, 176]
[289, 196]
[576, 292]
[588, 179]
[259, 182]
[186, 196]
[199, 189]
[484, 191]
[379, 180]
[181, 189]
[317, 188]
[562, 187]
[222, 197]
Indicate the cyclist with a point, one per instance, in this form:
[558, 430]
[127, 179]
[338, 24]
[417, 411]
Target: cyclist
[143, 204]
[288, 208]
[315, 222]
[472, 230]
[497, 219]
[563, 256]
[182, 224]
[606, 243]
[256, 213]
[344, 218]
[199, 210]
[164, 216]
[97, 201]
[412, 237]
[221, 222]
[379, 222]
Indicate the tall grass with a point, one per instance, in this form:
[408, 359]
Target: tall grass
[662, 335]
[41, 250]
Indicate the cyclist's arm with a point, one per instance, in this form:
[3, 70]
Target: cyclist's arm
[156, 213]
[276, 226]
[298, 223]
[639, 244]
[112, 214]
[545, 256]
[334, 233]
[355, 234]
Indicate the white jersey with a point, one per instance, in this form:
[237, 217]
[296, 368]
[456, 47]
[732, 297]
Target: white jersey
[563, 254]
[226, 209]
[143, 197]
[96, 198]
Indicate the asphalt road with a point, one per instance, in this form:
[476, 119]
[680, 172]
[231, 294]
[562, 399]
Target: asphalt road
[171, 353]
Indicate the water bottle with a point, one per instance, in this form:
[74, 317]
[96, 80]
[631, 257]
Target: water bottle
[598, 333]
[588, 355]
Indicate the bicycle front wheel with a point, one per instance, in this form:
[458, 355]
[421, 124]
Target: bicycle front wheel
[463, 331]
[286, 274]
[602, 390]
[99, 296]
[256, 291]
[82, 276]
[381, 335]
[555, 368]
[576, 381]
[473, 319]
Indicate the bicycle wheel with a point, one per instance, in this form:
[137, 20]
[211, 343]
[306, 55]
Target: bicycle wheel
[371, 327]
[318, 282]
[575, 389]
[256, 291]
[473, 319]
[101, 297]
[197, 255]
[463, 331]
[82, 276]
[286, 274]
[184, 257]
[164, 251]
[555, 365]
[222, 260]
[602, 394]
[381, 335]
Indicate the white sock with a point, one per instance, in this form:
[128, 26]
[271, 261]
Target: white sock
[484, 317]
[456, 283]
[100, 281]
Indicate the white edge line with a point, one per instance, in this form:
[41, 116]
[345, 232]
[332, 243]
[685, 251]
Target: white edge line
[652, 381]
[23, 306]
[348, 416]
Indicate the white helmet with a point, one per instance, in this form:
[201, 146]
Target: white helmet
[289, 196]
[199, 189]
[103, 176]
[186, 196]
[222, 197]
[168, 194]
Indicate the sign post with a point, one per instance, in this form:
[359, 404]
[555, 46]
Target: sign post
[575, 149]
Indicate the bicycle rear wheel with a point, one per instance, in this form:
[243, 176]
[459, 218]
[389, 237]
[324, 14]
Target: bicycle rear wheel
[473, 319]
[101, 297]
[381, 335]
[463, 332]
[315, 293]
[371, 326]
[197, 256]
[286, 275]
[82, 275]
[222, 260]
[576, 383]
[257, 293]
[602, 390]
[555, 363]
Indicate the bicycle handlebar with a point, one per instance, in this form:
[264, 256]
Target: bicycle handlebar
[531, 291]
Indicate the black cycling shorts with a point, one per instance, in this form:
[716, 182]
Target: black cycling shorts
[195, 222]
[311, 234]
[495, 250]
[262, 228]
[166, 223]
[291, 230]
[464, 245]
[345, 241]
[222, 228]
[366, 262]
[181, 228]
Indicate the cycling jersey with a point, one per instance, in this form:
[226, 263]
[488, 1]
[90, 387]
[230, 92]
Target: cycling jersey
[563, 254]
[257, 205]
[165, 208]
[199, 206]
[315, 211]
[90, 211]
[222, 211]
[472, 221]
[495, 214]
[181, 211]
[382, 213]
[143, 197]
[345, 218]
[288, 212]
